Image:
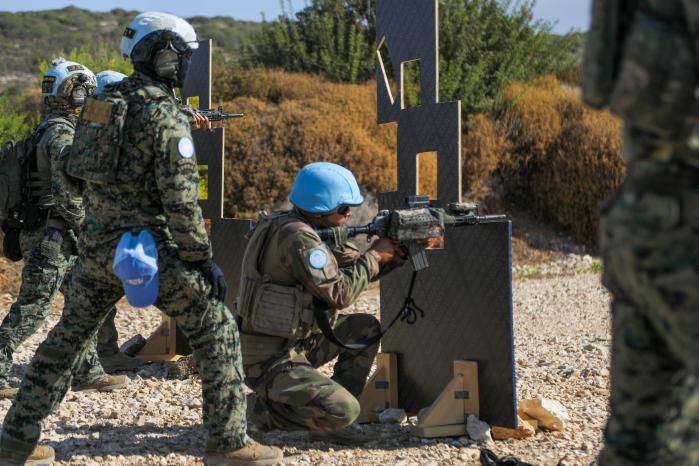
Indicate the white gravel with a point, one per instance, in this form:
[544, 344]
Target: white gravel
[562, 339]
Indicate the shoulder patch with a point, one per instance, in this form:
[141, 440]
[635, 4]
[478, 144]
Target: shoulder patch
[318, 258]
[185, 147]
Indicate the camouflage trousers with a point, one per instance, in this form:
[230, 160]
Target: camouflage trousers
[291, 394]
[184, 295]
[42, 277]
[650, 246]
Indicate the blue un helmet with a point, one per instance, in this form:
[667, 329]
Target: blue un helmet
[106, 77]
[160, 45]
[322, 188]
[67, 83]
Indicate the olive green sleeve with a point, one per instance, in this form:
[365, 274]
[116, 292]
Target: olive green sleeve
[314, 265]
[177, 177]
[66, 204]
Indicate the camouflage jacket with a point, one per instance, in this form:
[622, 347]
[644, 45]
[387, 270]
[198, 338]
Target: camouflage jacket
[157, 179]
[296, 255]
[58, 129]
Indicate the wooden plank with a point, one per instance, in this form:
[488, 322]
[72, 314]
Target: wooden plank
[469, 370]
[456, 430]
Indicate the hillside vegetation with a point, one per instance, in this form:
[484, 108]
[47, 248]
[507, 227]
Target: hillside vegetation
[528, 139]
[540, 147]
[27, 38]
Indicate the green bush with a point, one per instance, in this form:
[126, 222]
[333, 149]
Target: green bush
[485, 45]
[98, 59]
[19, 113]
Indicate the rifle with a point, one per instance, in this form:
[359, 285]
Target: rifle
[417, 222]
[218, 115]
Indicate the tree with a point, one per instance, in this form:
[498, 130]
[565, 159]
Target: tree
[330, 37]
[484, 46]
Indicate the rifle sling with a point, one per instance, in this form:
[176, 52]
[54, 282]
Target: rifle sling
[408, 313]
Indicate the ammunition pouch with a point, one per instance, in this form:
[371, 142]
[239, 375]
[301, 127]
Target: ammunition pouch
[279, 311]
[655, 89]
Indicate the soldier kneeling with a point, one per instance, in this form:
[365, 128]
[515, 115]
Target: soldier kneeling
[290, 279]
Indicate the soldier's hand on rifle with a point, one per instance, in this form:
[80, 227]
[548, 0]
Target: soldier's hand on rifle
[200, 121]
[431, 243]
[386, 250]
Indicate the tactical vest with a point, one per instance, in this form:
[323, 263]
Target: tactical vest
[274, 317]
[94, 156]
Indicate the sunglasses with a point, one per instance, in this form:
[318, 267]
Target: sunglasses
[344, 210]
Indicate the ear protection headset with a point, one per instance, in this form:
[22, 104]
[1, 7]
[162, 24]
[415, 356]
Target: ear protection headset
[166, 62]
[79, 93]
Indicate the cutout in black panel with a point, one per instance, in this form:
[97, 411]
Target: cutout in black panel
[427, 174]
[410, 89]
[389, 75]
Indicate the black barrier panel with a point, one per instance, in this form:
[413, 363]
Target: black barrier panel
[208, 144]
[467, 297]
[228, 239]
[198, 81]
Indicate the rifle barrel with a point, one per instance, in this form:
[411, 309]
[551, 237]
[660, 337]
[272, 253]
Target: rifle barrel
[476, 219]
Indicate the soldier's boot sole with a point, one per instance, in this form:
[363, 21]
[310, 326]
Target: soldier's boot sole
[106, 383]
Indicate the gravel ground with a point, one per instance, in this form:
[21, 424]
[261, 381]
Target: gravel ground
[562, 338]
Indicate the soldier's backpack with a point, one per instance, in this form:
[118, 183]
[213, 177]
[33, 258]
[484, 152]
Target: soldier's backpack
[13, 158]
[94, 156]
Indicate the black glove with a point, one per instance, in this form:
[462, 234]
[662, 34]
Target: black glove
[213, 273]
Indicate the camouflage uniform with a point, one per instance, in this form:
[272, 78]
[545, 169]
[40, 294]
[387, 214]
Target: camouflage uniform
[155, 188]
[649, 239]
[290, 393]
[43, 276]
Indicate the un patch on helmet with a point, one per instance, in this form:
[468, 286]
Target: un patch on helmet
[47, 84]
[72, 68]
[129, 33]
[318, 258]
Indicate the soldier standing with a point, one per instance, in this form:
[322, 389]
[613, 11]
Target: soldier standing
[51, 222]
[649, 233]
[289, 274]
[137, 162]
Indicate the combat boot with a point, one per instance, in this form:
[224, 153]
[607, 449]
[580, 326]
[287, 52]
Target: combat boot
[7, 392]
[43, 455]
[253, 454]
[106, 383]
[348, 437]
[120, 362]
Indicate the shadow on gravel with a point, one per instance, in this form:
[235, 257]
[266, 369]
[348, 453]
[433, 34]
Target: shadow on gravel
[106, 439]
[100, 440]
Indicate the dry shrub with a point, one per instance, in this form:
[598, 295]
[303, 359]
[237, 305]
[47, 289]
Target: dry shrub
[309, 120]
[564, 158]
[541, 148]
[484, 147]
[427, 174]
